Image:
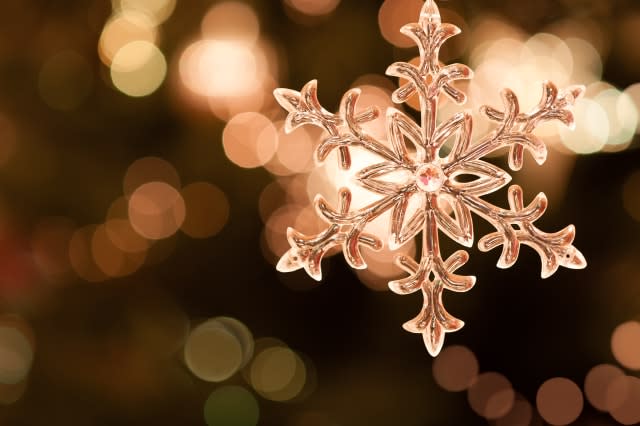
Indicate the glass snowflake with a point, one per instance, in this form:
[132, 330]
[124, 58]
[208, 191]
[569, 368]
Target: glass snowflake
[448, 185]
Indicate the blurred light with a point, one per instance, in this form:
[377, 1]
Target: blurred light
[633, 92]
[220, 68]
[276, 228]
[207, 210]
[559, 401]
[156, 210]
[212, 352]
[80, 255]
[625, 344]
[10, 394]
[520, 414]
[597, 384]
[250, 140]
[278, 374]
[587, 61]
[393, 15]
[138, 69]
[8, 139]
[295, 150]
[49, 244]
[243, 334]
[381, 267]
[456, 368]
[623, 400]
[623, 118]
[313, 7]
[123, 28]
[16, 350]
[107, 256]
[159, 10]
[231, 20]
[271, 198]
[631, 195]
[110, 258]
[65, 80]
[149, 169]
[491, 396]
[231, 406]
[122, 235]
[592, 133]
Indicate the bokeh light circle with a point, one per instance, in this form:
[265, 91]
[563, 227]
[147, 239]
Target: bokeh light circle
[559, 401]
[156, 210]
[597, 383]
[231, 406]
[207, 210]
[231, 20]
[16, 354]
[456, 368]
[625, 344]
[491, 396]
[250, 140]
[138, 69]
[212, 353]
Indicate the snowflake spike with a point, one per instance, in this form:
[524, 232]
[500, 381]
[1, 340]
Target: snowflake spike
[411, 172]
[430, 14]
[289, 262]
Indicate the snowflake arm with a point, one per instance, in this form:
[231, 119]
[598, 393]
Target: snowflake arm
[447, 189]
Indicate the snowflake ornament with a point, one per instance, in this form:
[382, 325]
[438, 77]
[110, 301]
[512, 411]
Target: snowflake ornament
[448, 186]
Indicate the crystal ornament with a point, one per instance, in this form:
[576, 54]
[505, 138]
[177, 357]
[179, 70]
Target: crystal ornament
[447, 185]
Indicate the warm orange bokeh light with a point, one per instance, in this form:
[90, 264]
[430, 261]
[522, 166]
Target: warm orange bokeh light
[559, 401]
[207, 210]
[156, 210]
[250, 140]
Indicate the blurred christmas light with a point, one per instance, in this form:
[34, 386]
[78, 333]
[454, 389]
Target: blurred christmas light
[295, 152]
[231, 20]
[231, 405]
[250, 139]
[633, 92]
[625, 344]
[456, 368]
[277, 373]
[158, 10]
[393, 14]
[559, 401]
[207, 210]
[122, 235]
[623, 399]
[593, 134]
[138, 69]
[156, 210]
[80, 255]
[521, 414]
[123, 28]
[16, 350]
[597, 384]
[313, 7]
[219, 68]
[148, 169]
[623, 118]
[212, 352]
[491, 396]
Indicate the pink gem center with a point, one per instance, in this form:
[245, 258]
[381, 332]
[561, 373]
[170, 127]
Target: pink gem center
[430, 178]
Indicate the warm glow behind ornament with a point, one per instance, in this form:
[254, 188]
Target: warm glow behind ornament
[448, 187]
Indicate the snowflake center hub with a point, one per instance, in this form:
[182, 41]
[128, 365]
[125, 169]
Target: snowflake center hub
[430, 177]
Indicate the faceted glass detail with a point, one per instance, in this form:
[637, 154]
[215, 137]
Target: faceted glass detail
[430, 178]
[435, 182]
